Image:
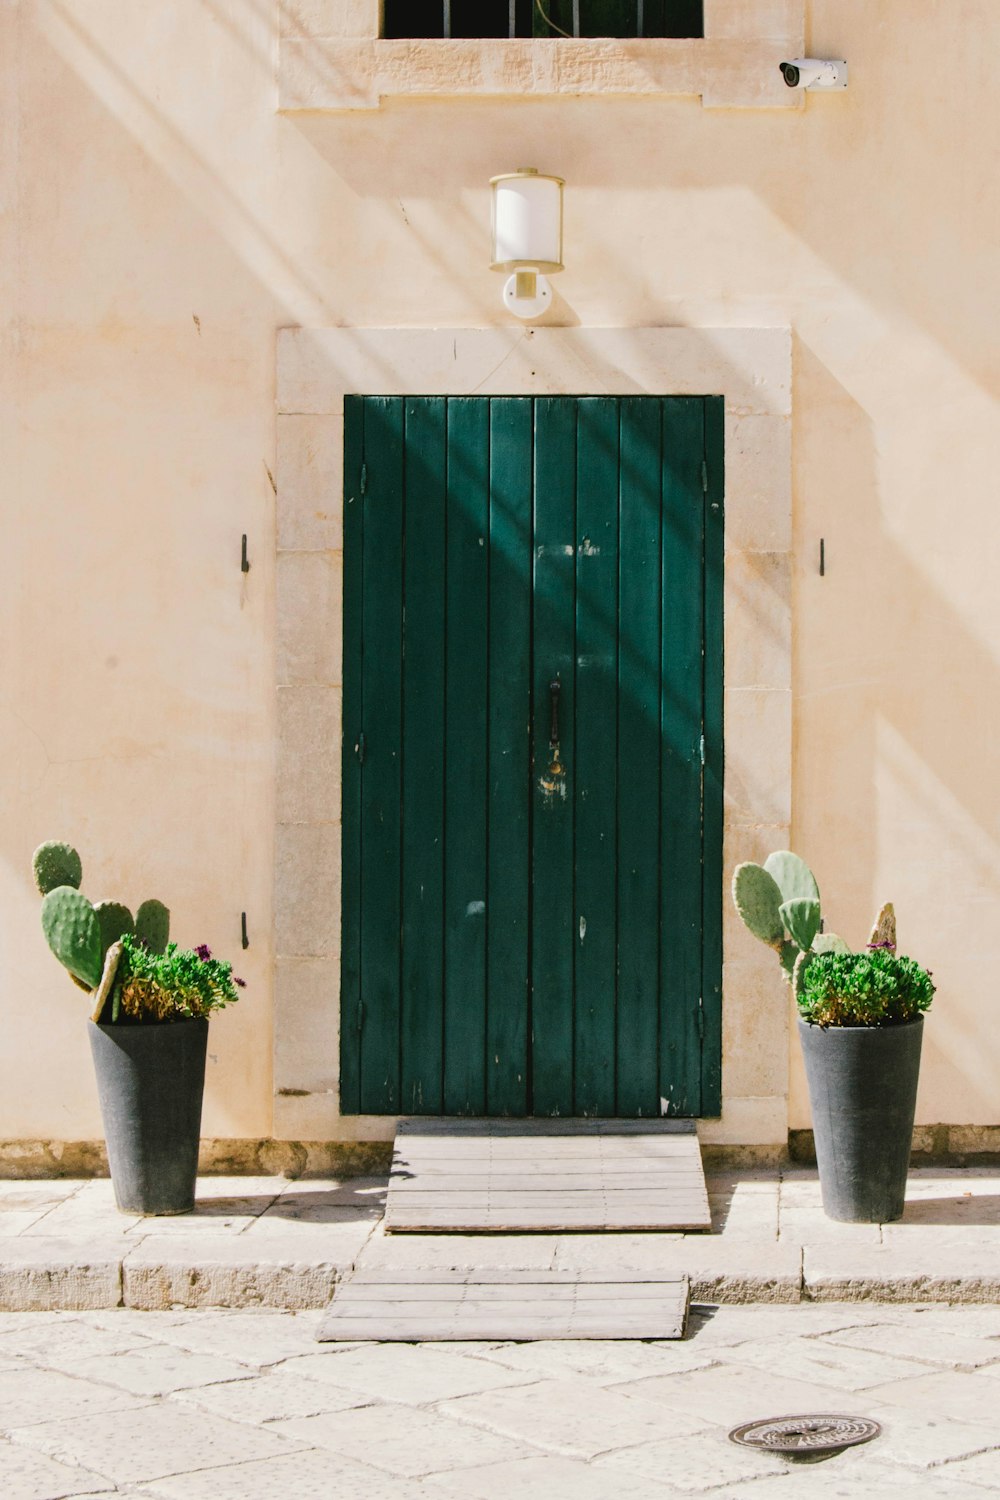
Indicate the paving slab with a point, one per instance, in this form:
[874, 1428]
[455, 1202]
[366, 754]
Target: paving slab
[132, 1446]
[26, 1475]
[39, 1274]
[427, 1442]
[236, 1271]
[961, 1272]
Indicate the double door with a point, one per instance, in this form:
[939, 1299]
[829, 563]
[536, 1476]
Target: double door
[532, 756]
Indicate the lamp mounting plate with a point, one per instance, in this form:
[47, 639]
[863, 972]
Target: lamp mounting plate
[527, 294]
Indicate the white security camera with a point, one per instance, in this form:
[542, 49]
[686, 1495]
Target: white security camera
[814, 73]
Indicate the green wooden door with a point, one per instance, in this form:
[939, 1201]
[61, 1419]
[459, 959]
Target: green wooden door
[532, 756]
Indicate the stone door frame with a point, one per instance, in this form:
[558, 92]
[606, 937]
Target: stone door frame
[751, 369]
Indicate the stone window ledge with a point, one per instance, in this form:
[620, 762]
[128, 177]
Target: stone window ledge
[735, 65]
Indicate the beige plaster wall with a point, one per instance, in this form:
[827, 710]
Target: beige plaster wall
[159, 220]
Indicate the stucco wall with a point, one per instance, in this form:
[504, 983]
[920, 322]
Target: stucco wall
[159, 220]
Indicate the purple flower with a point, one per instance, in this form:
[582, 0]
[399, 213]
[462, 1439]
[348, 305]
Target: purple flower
[204, 952]
[241, 982]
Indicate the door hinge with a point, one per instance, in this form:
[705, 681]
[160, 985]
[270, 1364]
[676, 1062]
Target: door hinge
[359, 749]
[701, 749]
[704, 475]
[361, 1015]
[701, 1021]
[364, 478]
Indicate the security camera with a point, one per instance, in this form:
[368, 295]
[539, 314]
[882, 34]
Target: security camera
[814, 73]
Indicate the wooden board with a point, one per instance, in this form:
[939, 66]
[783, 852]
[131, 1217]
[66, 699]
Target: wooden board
[424, 1306]
[507, 1176]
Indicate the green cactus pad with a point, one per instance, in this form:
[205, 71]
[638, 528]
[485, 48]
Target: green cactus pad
[801, 918]
[829, 942]
[792, 876]
[757, 899]
[114, 920]
[55, 865]
[152, 925]
[788, 953]
[799, 971]
[73, 933]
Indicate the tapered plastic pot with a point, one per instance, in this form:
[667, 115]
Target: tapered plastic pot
[863, 1093]
[150, 1081]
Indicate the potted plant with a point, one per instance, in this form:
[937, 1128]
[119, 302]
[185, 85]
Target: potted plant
[860, 1023]
[149, 1032]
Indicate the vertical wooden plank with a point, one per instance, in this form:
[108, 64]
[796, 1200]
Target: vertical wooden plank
[711, 1082]
[382, 728]
[553, 635]
[638, 758]
[466, 786]
[595, 761]
[509, 770]
[681, 736]
[350, 962]
[423, 760]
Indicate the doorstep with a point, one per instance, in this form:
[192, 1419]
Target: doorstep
[284, 1243]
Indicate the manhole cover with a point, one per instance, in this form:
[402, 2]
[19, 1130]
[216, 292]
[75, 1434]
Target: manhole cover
[819, 1434]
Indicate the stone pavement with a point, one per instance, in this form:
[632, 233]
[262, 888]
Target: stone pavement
[277, 1242]
[227, 1405]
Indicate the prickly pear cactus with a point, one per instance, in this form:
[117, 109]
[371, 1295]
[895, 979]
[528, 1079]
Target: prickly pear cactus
[152, 925]
[73, 932]
[829, 942]
[108, 976]
[758, 901]
[792, 876]
[54, 865]
[884, 931]
[799, 972]
[113, 920]
[801, 919]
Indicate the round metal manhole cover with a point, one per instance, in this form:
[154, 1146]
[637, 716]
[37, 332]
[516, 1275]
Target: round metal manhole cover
[814, 1434]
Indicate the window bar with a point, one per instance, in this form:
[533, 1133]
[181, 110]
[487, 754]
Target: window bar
[512, 24]
[576, 17]
[446, 25]
[639, 18]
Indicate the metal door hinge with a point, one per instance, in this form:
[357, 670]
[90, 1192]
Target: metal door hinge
[701, 1021]
[701, 749]
[364, 478]
[704, 475]
[359, 749]
[361, 1015]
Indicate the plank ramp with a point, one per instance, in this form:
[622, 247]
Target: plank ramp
[414, 1306]
[545, 1176]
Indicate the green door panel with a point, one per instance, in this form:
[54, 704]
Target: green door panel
[532, 756]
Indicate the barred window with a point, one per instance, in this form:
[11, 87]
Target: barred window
[543, 18]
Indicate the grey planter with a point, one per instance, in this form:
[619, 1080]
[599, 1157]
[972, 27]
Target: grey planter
[863, 1093]
[150, 1081]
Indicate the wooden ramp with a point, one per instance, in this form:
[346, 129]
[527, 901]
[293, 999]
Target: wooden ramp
[537, 1176]
[427, 1306]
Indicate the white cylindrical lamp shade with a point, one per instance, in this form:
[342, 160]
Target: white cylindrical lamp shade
[527, 221]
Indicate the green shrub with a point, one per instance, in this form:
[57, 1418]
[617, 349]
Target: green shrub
[177, 985]
[875, 988]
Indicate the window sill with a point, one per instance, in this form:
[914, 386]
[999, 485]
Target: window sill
[726, 71]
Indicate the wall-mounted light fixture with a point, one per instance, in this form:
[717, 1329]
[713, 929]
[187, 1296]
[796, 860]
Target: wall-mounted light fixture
[527, 237]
